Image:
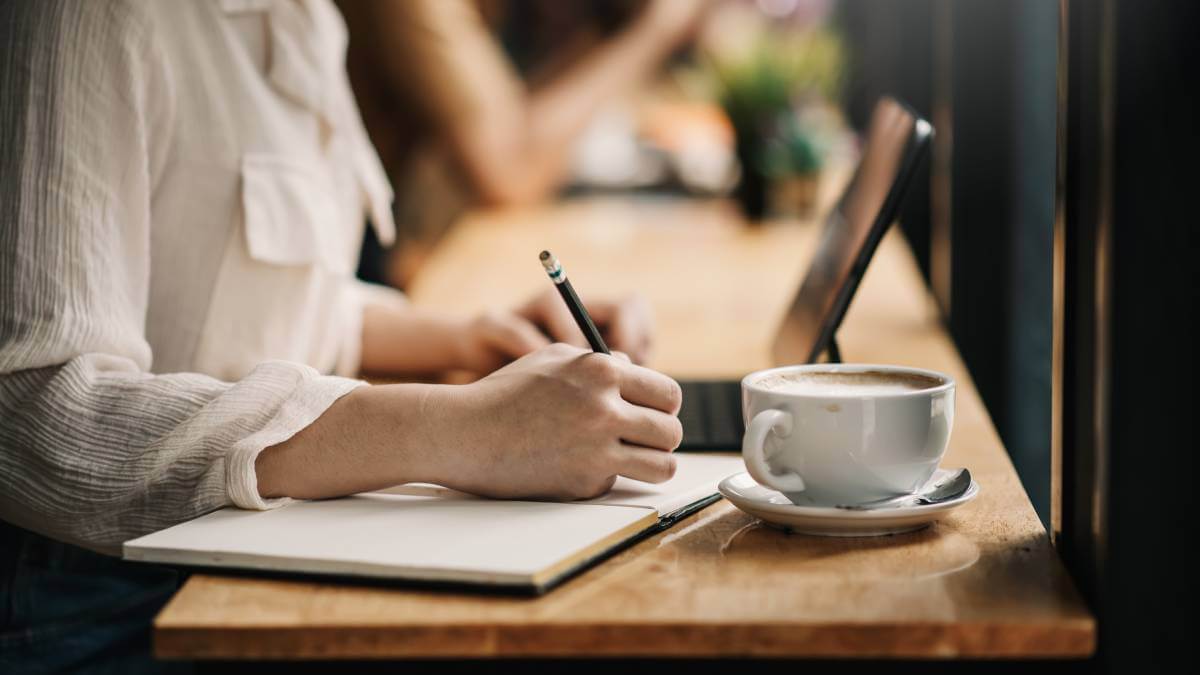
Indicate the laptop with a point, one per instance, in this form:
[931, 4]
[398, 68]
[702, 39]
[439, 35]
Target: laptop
[897, 139]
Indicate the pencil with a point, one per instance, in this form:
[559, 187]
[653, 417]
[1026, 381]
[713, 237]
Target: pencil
[559, 277]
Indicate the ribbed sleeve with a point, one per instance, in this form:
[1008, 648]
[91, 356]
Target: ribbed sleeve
[95, 452]
[94, 449]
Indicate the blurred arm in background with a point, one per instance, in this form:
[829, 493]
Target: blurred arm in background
[438, 61]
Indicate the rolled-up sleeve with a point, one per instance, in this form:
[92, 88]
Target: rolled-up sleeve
[94, 448]
[95, 452]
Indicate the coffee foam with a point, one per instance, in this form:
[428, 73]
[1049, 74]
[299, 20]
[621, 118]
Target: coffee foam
[848, 383]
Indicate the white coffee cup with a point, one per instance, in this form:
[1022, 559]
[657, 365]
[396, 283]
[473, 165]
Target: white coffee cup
[841, 434]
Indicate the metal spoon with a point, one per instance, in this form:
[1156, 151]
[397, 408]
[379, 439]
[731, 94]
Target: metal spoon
[951, 487]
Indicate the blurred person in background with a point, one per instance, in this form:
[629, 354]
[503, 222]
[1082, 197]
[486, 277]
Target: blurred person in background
[458, 121]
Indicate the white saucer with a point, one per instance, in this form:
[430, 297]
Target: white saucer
[830, 521]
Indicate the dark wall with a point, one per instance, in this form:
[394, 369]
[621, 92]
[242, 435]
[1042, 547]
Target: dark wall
[999, 61]
[1004, 110]
[1138, 562]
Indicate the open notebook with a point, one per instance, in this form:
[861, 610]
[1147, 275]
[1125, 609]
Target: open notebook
[427, 533]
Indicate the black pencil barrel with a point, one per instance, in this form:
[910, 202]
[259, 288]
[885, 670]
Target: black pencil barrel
[582, 318]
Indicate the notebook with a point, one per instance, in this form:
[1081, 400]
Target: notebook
[431, 534]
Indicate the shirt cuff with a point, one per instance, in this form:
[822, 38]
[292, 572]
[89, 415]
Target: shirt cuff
[307, 402]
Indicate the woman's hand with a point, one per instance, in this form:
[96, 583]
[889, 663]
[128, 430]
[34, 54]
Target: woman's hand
[560, 423]
[493, 339]
[403, 340]
[626, 324]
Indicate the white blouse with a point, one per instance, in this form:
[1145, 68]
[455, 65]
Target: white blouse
[183, 190]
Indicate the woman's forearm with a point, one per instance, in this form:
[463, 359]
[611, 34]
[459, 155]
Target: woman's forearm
[407, 340]
[372, 438]
[559, 423]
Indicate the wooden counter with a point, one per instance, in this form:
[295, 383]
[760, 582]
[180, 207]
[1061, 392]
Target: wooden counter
[984, 583]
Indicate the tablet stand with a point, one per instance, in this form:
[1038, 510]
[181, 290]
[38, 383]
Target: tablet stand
[832, 351]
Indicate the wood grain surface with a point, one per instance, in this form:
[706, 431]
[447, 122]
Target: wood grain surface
[984, 583]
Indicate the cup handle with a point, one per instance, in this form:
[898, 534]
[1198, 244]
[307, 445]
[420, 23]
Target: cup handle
[754, 450]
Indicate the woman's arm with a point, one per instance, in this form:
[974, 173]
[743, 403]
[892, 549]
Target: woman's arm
[404, 340]
[94, 449]
[400, 339]
[513, 144]
[560, 423]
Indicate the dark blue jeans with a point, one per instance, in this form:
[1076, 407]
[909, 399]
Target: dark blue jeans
[66, 609]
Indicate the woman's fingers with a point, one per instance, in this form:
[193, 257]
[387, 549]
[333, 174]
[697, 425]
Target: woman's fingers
[644, 464]
[550, 312]
[650, 389]
[627, 325]
[650, 428]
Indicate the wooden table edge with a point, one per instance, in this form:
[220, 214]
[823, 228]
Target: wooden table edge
[950, 640]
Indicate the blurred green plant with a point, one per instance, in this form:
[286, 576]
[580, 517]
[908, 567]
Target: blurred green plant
[773, 81]
[778, 69]
[792, 150]
[762, 88]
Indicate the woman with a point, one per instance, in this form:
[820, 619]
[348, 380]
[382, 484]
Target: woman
[182, 193]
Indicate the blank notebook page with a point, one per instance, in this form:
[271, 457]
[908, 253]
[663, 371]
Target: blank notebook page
[439, 536]
[431, 533]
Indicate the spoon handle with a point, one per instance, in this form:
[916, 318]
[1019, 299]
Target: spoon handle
[948, 488]
[886, 502]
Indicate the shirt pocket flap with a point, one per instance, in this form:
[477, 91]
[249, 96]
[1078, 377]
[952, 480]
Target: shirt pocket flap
[283, 206]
